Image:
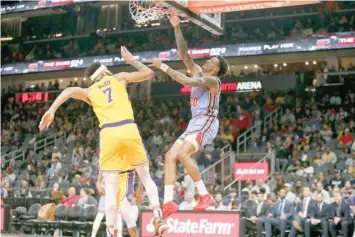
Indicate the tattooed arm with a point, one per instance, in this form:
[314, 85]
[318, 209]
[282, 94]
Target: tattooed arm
[182, 47]
[207, 82]
[144, 72]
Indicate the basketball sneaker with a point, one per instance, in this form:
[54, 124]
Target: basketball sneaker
[160, 226]
[204, 202]
[169, 208]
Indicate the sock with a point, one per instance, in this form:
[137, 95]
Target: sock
[201, 188]
[93, 233]
[110, 232]
[168, 193]
[97, 222]
[158, 213]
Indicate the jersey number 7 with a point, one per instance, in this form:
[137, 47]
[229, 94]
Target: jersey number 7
[108, 91]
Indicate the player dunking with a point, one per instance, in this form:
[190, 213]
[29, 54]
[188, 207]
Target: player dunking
[202, 128]
[119, 135]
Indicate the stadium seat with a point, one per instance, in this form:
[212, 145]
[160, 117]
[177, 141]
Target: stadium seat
[86, 221]
[74, 214]
[27, 221]
[60, 214]
[15, 223]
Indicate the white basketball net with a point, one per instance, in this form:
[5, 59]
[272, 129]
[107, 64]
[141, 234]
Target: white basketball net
[145, 11]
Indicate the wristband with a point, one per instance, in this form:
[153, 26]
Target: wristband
[164, 67]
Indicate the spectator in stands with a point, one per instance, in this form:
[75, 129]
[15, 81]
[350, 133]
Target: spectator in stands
[339, 213]
[319, 217]
[326, 133]
[72, 198]
[282, 158]
[288, 118]
[329, 157]
[346, 138]
[335, 100]
[24, 190]
[188, 204]
[276, 182]
[308, 170]
[244, 120]
[281, 213]
[85, 200]
[256, 217]
[235, 206]
[260, 183]
[4, 187]
[55, 168]
[304, 213]
[232, 196]
[347, 190]
[56, 153]
[248, 187]
[56, 193]
[290, 196]
[337, 180]
[219, 203]
[320, 190]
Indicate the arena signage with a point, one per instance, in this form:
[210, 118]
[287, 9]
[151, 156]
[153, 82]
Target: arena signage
[35, 5]
[31, 97]
[195, 224]
[208, 7]
[232, 50]
[226, 87]
[251, 170]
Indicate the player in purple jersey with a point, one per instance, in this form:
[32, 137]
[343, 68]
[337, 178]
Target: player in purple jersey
[202, 128]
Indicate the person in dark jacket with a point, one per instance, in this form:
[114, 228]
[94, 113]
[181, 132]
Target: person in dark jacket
[305, 207]
[281, 214]
[319, 217]
[255, 216]
[339, 215]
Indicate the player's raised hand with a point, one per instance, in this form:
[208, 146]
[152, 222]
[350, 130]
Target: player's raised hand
[155, 63]
[174, 20]
[46, 120]
[126, 55]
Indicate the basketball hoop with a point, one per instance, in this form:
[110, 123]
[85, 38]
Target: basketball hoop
[145, 11]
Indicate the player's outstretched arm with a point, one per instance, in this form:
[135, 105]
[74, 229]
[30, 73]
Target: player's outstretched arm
[144, 73]
[207, 82]
[70, 92]
[182, 47]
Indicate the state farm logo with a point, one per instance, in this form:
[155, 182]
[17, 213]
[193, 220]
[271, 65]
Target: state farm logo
[347, 41]
[250, 171]
[195, 224]
[203, 226]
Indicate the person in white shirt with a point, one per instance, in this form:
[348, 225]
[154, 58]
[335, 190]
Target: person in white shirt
[188, 204]
[290, 196]
[260, 183]
[320, 189]
[329, 157]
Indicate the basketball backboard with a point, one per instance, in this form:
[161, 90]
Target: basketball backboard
[209, 14]
[212, 22]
